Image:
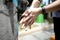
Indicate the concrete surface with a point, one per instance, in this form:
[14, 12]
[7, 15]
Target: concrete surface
[41, 35]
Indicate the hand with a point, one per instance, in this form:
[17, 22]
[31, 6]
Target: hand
[30, 16]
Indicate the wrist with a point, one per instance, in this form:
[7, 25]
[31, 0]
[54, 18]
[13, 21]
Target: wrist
[40, 10]
[43, 10]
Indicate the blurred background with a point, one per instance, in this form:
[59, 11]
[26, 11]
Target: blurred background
[17, 7]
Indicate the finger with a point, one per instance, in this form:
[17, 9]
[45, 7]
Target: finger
[26, 13]
[24, 20]
[23, 26]
[31, 22]
[31, 18]
[27, 19]
[26, 24]
[21, 22]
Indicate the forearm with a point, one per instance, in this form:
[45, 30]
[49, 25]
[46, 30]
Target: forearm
[35, 3]
[53, 7]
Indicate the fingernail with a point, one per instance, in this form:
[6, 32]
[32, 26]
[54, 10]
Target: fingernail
[20, 22]
[23, 25]
[26, 14]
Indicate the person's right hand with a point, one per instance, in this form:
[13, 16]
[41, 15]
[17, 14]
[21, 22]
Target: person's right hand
[29, 16]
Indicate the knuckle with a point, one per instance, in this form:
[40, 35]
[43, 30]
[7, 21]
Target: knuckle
[32, 15]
